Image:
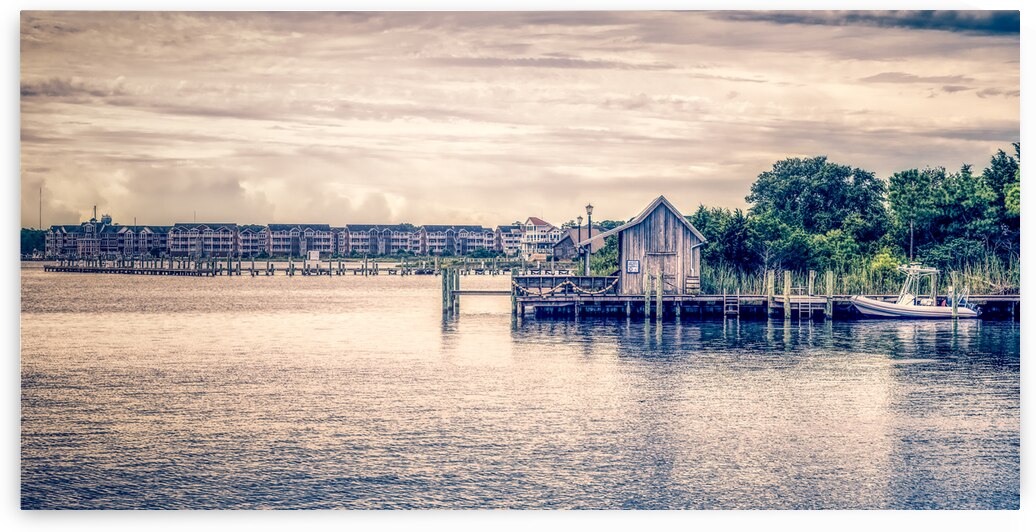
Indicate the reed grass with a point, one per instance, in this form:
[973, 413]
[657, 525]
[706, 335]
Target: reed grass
[990, 276]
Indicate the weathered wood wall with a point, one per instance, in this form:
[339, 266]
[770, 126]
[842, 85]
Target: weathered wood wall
[565, 250]
[662, 244]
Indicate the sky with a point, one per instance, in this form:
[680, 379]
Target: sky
[489, 117]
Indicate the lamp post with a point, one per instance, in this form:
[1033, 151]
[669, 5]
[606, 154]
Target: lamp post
[589, 235]
[579, 234]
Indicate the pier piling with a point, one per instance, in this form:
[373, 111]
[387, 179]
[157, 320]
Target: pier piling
[953, 294]
[787, 294]
[659, 309]
[647, 296]
[829, 278]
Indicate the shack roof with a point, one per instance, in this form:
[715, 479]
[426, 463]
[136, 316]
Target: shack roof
[574, 234]
[643, 216]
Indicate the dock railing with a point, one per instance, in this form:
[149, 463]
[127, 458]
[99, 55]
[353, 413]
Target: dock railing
[565, 285]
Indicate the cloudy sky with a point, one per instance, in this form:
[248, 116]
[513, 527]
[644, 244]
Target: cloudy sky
[488, 117]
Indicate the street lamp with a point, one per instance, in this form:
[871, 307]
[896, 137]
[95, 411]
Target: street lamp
[579, 233]
[589, 235]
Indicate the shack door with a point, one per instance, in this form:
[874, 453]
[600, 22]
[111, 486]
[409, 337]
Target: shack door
[664, 266]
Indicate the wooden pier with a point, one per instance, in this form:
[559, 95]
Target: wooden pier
[574, 296]
[216, 267]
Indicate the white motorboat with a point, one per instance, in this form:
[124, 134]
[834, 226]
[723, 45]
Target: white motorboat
[911, 306]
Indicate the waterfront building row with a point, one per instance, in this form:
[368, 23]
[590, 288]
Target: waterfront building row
[533, 240]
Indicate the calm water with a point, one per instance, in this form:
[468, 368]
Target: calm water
[351, 392]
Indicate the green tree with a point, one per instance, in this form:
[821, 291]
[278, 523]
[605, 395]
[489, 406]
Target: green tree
[1001, 173]
[33, 240]
[818, 196]
[738, 242]
[911, 198]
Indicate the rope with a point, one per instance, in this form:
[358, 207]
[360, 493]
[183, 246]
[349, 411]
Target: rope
[563, 285]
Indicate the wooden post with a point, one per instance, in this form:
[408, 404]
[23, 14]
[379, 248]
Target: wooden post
[443, 287]
[456, 288]
[953, 294]
[628, 310]
[659, 308]
[770, 274]
[829, 306]
[647, 296]
[449, 289]
[514, 295]
[812, 277]
[787, 294]
[454, 278]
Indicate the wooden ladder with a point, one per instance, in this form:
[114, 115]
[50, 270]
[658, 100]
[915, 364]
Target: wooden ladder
[732, 304]
[806, 310]
[802, 309]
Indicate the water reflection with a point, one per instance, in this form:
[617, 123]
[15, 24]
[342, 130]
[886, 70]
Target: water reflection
[357, 393]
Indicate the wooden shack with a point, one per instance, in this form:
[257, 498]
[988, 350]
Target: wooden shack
[566, 248]
[658, 244]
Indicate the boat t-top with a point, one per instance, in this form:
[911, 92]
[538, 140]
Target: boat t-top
[910, 304]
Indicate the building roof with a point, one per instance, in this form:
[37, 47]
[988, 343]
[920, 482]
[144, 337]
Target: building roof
[300, 227]
[456, 228]
[361, 228]
[643, 216]
[509, 228]
[67, 228]
[204, 225]
[138, 228]
[538, 221]
[572, 235]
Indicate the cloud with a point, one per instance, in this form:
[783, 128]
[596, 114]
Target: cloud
[479, 117]
[64, 88]
[984, 93]
[903, 77]
[976, 22]
[545, 62]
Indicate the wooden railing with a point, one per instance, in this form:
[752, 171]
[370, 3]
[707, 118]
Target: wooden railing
[565, 285]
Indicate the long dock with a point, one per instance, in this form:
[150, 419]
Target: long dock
[552, 296]
[837, 306]
[216, 267]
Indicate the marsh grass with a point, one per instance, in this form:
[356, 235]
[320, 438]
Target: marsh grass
[991, 276]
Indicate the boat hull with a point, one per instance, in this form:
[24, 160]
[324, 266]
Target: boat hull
[873, 308]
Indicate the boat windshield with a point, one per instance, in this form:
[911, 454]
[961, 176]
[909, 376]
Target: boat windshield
[915, 274]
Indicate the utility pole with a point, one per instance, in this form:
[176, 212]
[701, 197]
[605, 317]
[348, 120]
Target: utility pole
[41, 208]
[911, 241]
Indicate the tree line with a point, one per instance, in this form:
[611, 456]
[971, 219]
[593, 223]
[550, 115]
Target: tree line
[813, 214]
